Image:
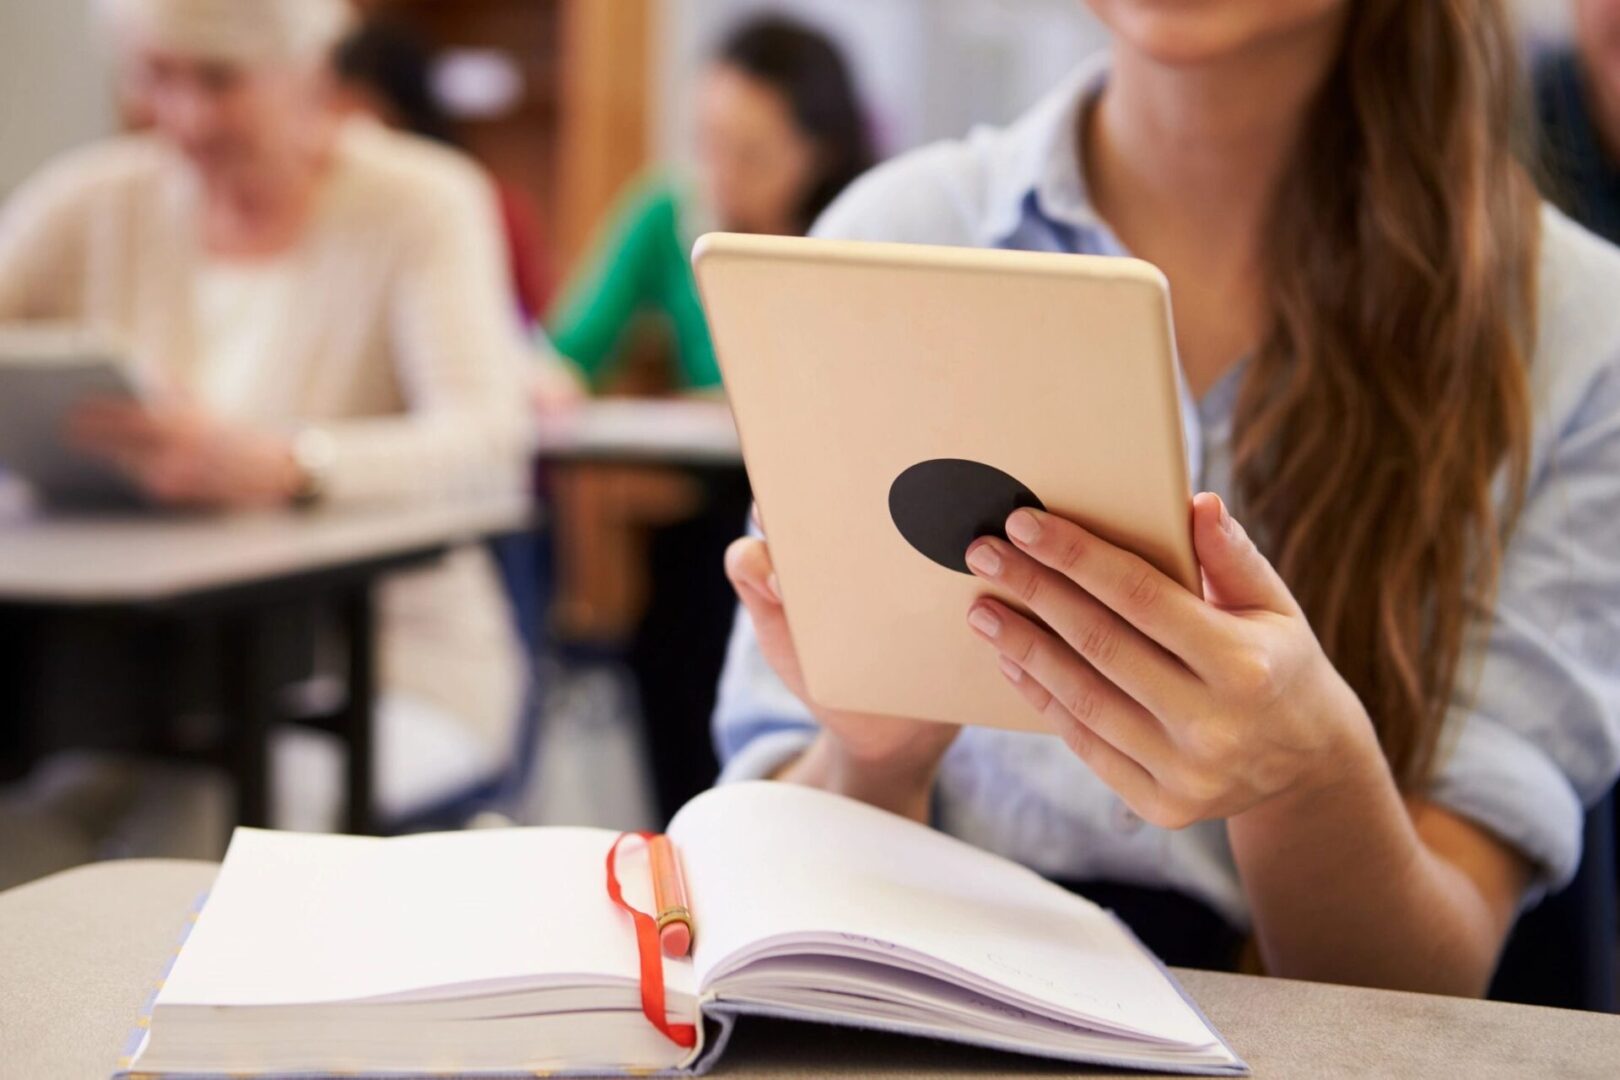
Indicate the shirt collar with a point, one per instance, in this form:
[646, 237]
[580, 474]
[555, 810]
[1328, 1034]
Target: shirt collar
[1039, 167]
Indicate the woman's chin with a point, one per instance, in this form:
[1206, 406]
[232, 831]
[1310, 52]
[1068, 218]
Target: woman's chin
[1191, 36]
[1183, 44]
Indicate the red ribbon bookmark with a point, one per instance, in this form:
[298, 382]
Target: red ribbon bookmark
[652, 955]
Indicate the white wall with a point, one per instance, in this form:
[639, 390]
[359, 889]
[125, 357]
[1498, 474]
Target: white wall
[928, 68]
[1544, 21]
[53, 85]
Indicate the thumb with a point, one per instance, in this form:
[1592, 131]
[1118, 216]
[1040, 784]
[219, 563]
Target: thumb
[748, 565]
[1236, 574]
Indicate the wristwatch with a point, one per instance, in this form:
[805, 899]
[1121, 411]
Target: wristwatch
[314, 452]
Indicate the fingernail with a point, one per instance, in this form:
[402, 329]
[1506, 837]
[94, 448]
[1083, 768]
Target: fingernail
[1012, 671]
[1226, 516]
[984, 621]
[985, 559]
[1024, 527]
[774, 587]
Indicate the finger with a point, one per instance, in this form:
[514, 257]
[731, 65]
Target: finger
[748, 565]
[109, 409]
[1139, 592]
[182, 479]
[1123, 654]
[1236, 575]
[1124, 776]
[111, 424]
[1074, 688]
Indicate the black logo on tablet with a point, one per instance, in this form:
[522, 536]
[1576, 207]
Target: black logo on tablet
[942, 506]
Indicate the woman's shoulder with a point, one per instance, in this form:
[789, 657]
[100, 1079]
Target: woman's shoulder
[401, 171]
[655, 199]
[967, 190]
[107, 169]
[940, 193]
[1578, 313]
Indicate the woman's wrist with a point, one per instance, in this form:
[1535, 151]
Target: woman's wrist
[900, 781]
[1350, 775]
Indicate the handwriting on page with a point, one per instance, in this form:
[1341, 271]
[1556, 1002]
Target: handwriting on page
[862, 939]
[1063, 990]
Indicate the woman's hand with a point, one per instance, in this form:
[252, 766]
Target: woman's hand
[1190, 709]
[183, 456]
[883, 760]
[556, 386]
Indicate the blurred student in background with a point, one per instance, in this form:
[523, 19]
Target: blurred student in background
[386, 72]
[781, 132]
[1578, 102]
[327, 304]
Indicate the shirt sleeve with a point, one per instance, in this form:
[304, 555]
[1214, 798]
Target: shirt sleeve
[1534, 732]
[759, 725]
[42, 244]
[461, 358]
[598, 307]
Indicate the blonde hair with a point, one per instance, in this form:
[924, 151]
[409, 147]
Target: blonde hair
[242, 31]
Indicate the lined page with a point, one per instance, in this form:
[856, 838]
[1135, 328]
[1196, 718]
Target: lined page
[297, 919]
[773, 860]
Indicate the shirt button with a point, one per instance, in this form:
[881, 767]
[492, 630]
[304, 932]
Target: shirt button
[1125, 821]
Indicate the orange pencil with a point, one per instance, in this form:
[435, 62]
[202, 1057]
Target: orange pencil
[669, 897]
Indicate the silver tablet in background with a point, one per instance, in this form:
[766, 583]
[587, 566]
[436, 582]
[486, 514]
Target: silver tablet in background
[47, 371]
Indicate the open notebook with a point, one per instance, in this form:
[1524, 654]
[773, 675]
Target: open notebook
[499, 952]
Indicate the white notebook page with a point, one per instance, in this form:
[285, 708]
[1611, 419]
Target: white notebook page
[768, 860]
[300, 919]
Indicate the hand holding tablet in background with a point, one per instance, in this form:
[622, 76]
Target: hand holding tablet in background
[86, 426]
[180, 454]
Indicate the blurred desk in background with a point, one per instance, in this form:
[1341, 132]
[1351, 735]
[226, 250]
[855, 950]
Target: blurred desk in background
[133, 579]
[647, 494]
[83, 949]
[684, 433]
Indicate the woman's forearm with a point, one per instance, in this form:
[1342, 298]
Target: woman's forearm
[1344, 889]
[900, 786]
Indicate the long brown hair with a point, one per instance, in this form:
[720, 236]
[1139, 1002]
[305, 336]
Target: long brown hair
[1391, 396]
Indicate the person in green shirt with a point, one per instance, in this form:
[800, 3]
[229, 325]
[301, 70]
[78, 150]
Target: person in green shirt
[781, 132]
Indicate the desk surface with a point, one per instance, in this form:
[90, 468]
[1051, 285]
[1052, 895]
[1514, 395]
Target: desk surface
[80, 951]
[134, 559]
[637, 431]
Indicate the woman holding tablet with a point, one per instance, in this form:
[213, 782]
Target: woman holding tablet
[1369, 744]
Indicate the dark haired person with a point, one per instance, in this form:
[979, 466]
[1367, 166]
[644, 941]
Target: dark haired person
[1368, 745]
[386, 72]
[1578, 104]
[781, 133]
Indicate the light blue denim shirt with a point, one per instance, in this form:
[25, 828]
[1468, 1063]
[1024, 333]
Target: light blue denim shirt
[1535, 729]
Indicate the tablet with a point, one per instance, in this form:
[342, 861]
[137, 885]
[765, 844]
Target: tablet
[895, 402]
[46, 372]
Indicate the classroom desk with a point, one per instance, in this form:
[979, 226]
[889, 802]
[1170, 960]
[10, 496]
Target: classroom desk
[612, 466]
[684, 433]
[135, 572]
[81, 951]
